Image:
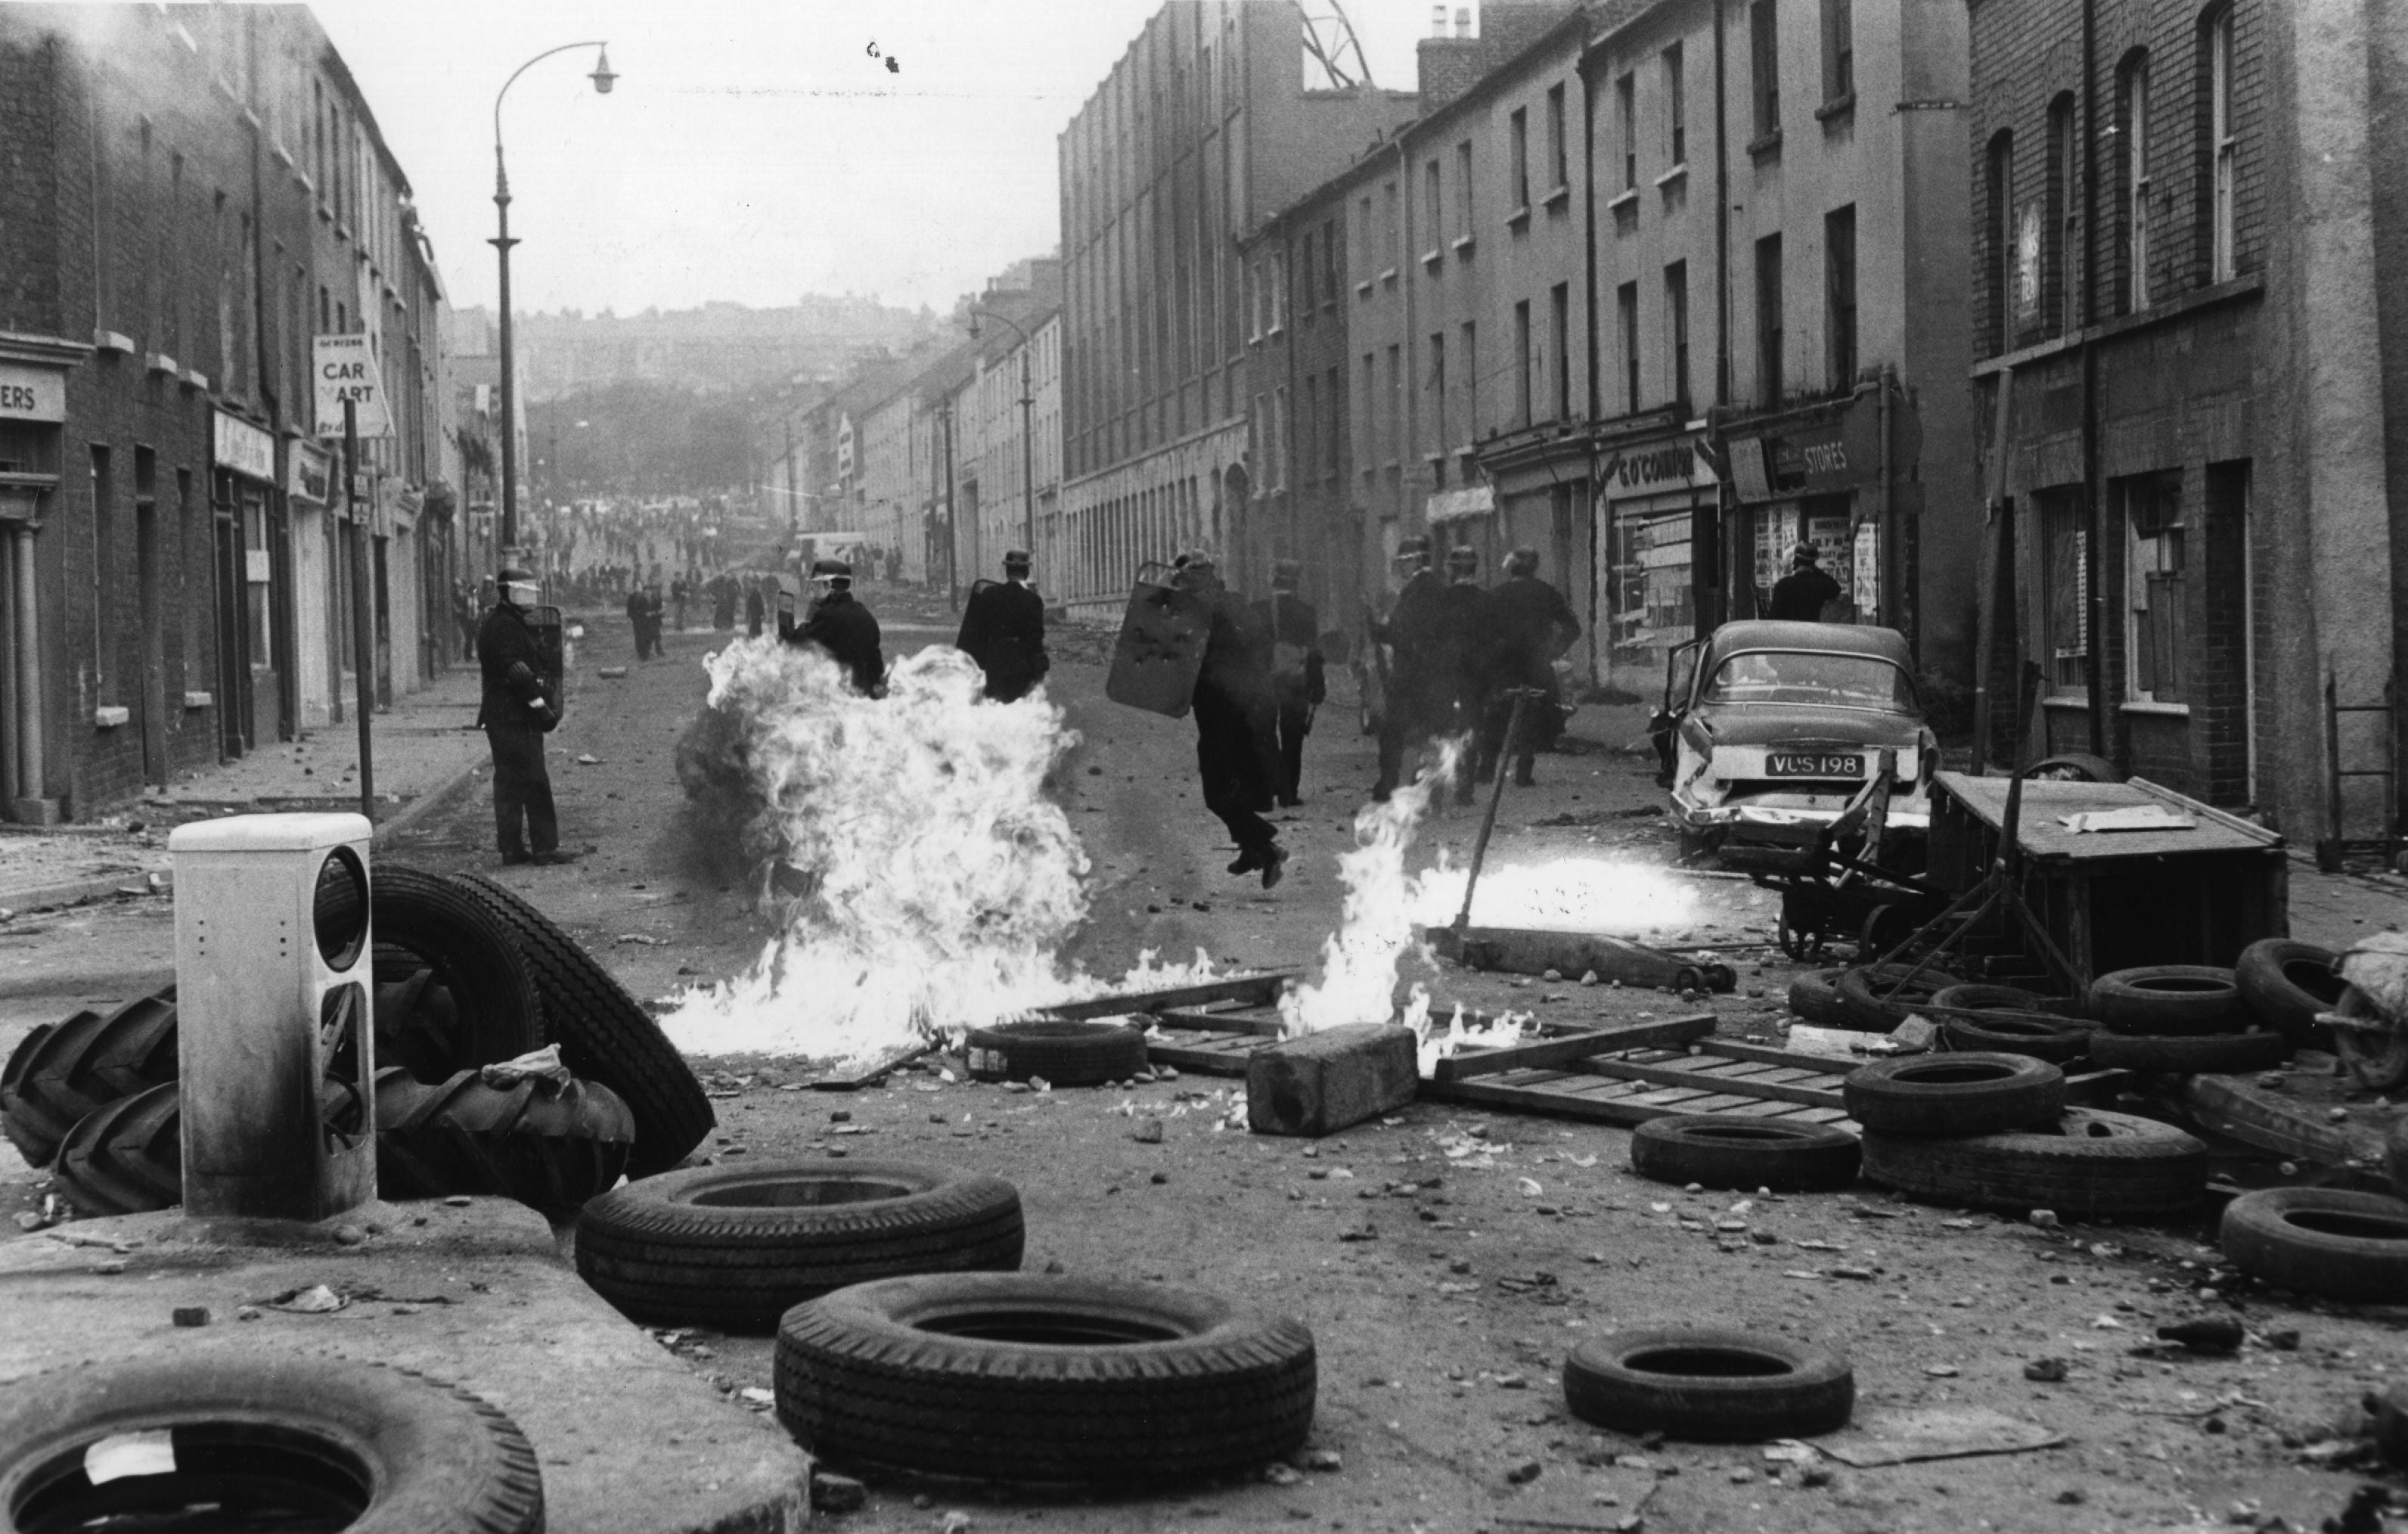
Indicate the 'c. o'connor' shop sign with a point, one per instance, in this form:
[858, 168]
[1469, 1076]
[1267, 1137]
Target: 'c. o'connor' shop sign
[1683, 462]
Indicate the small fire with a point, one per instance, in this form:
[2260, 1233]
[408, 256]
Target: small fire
[1495, 1032]
[1568, 894]
[1358, 962]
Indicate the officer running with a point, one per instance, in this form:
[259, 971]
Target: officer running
[516, 714]
[1235, 752]
[1003, 629]
[1418, 703]
[1528, 624]
[843, 627]
[1298, 683]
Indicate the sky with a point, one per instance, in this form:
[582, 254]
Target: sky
[752, 151]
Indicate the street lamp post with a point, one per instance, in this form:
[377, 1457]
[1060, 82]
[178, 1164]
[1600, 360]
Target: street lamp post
[603, 79]
[1027, 435]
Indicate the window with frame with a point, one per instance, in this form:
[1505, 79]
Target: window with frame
[1279, 437]
[1370, 261]
[1392, 402]
[1676, 320]
[1256, 290]
[1517, 129]
[1279, 292]
[1467, 365]
[1434, 206]
[1676, 109]
[1838, 51]
[1463, 187]
[2065, 592]
[1308, 274]
[2058, 283]
[1371, 435]
[1559, 348]
[1626, 122]
[1764, 62]
[2222, 149]
[1393, 228]
[1522, 363]
[2155, 631]
[1768, 320]
[2132, 128]
[1625, 310]
[1558, 166]
[1332, 389]
[1332, 270]
[1438, 390]
[1840, 293]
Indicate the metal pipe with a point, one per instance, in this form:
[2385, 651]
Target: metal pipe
[2093, 556]
[362, 630]
[1495, 797]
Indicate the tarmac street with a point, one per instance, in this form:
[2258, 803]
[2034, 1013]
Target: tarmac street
[1445, 1258]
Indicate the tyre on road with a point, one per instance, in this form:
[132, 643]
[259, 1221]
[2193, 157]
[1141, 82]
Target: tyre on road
[605, 1034]
[1815, 998]
[61, 1072]
[1725, 1151]
[265, 1441]
[1876, 1000]
[1709, 1385]
[2013, 1000]
[1039, 1377]
[735, 1247]
[2286, 983]
[2055, 1040]
[552, 1151]
[1953, 1094]
[2168, 999]
[2324, 1242]
[476, 959]
[1065, 1054]
[126, 1157]
[2190, 1054]
[2089, 1164]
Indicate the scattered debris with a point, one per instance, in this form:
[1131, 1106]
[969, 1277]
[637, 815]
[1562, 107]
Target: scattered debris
[317, 1300]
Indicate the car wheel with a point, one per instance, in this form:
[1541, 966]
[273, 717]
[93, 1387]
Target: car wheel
[1720, 1151]
[2167, 998]
[1063, 1052]
[2323, 1242]
[2287, 984]
[2089, 1165]
[1709, 1385]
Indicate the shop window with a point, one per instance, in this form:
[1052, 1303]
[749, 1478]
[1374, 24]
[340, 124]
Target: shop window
[2155, 567]
[2065, 592]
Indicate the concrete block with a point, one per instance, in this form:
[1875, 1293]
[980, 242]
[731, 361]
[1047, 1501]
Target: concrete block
[1322, 1082]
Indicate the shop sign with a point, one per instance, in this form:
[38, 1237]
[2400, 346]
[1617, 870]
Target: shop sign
[311, 476]
[244, 448]
[347, 375]
[32, 394]
[1458, 505]
[1684, 463]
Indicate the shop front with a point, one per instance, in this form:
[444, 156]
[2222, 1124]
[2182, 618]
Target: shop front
[33, 415]
[310, 476]
[1656, 504]
[242, 490]
[1816, 475]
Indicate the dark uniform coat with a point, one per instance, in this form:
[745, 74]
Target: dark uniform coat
[1801, 595]
[510, 661]
[1003, 629]
[1236, 750]
[513, 713]
[844, 628]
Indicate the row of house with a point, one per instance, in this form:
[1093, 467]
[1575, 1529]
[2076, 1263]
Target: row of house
[2060, 327]
[937, 461]
[195, 192]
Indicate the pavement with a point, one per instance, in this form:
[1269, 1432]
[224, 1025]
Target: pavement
[629, 1440]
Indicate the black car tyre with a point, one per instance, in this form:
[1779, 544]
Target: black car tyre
[2286, 983]
[1709, 1385]
[2168, 999]
[1876, 1000]
[2011, 999]
[126, 1157]
[476, 958]
[1815, 998]
[2190, 1054]
[61, 1072]
[281, 1443]
[736, 1246]
[605, 1034]
[2323, 1242]
[1952, 1094]
[2089, 1164]
[1063, 1053]
[2056, 1039]
[1722, 1151]
[552, 1151]
[1036, 1377]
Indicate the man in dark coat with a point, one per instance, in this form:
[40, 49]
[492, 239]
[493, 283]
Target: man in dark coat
[515, 713]
[1527, 623]
[754, 609]
[638, 619]
[844, 628]
[1463, 645]
[1003, 629]
[1299, 679]
[722, 602]
[1802, 594]
[1237, 753]
[653, 617]
[1419, 702]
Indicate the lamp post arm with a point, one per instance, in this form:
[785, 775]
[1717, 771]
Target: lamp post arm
[514, 80]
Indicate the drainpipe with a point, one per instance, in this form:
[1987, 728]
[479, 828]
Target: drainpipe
[1588, 219]
[1712, 589]
[1405, 276]
[2093, 556]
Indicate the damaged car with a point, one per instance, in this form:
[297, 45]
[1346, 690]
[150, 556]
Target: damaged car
[1769, 729]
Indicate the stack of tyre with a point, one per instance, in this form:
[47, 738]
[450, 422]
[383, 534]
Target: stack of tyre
[2181, 1019]
[1984, 1130]
[466, 974]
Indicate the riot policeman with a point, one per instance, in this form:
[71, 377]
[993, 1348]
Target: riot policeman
[1003, 629]
[516, 713]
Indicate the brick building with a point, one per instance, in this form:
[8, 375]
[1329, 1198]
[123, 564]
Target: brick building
[192, 190]
[1202, 129]
[2188, 226]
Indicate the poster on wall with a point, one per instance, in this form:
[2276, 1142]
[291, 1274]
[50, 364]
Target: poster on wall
[1868, 574]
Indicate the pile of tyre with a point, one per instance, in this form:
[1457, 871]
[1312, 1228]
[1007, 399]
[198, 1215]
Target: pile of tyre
[466, 974]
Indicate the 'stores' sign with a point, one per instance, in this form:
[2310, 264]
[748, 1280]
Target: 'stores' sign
[345, 372]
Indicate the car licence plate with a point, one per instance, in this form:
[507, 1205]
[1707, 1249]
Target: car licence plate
[1813, 764]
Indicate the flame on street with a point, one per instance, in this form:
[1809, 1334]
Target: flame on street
[1566, 894]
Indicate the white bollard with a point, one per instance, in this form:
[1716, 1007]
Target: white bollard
[276, 1037]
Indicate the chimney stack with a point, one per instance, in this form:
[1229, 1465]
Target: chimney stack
[1463, 20]
[1437, 20]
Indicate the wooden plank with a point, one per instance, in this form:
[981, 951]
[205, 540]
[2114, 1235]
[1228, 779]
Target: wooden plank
[1572, 1046]
[1485, 1092]
[1735, 1049]
[1704, 1080]
[1217, 1056]
[1254, 1020]
[1255, 988]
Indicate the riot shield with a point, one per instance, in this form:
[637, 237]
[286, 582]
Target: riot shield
[1161, 647]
